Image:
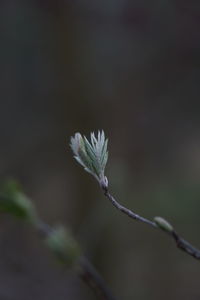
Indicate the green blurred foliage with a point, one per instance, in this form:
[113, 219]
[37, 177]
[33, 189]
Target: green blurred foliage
[14, 201]
[64, 246]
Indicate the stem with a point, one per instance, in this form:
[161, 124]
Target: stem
[91, 277]
[127, 211]
[180, 242]
[185, 246]
[88, 273]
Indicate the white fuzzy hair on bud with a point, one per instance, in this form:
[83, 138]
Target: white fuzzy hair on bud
[92, 155]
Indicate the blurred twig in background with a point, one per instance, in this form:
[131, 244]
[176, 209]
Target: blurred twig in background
[59, 240]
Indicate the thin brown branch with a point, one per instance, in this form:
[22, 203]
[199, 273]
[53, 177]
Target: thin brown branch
[87, 272]
[185, 246]
[180, 242]
[127, 211]
[85, 269]
[92, 278]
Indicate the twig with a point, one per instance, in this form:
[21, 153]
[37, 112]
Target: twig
[180, 242]
[185, 246]
[127, 211]
[87, 272]
[20, 206]
[90, 276]
[93, 156]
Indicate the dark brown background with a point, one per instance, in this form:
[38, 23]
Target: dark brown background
[131, 68]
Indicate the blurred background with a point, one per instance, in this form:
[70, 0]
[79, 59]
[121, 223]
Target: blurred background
[131, 68]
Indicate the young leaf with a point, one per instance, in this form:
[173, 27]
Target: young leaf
[92, 155]
[63, 245]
